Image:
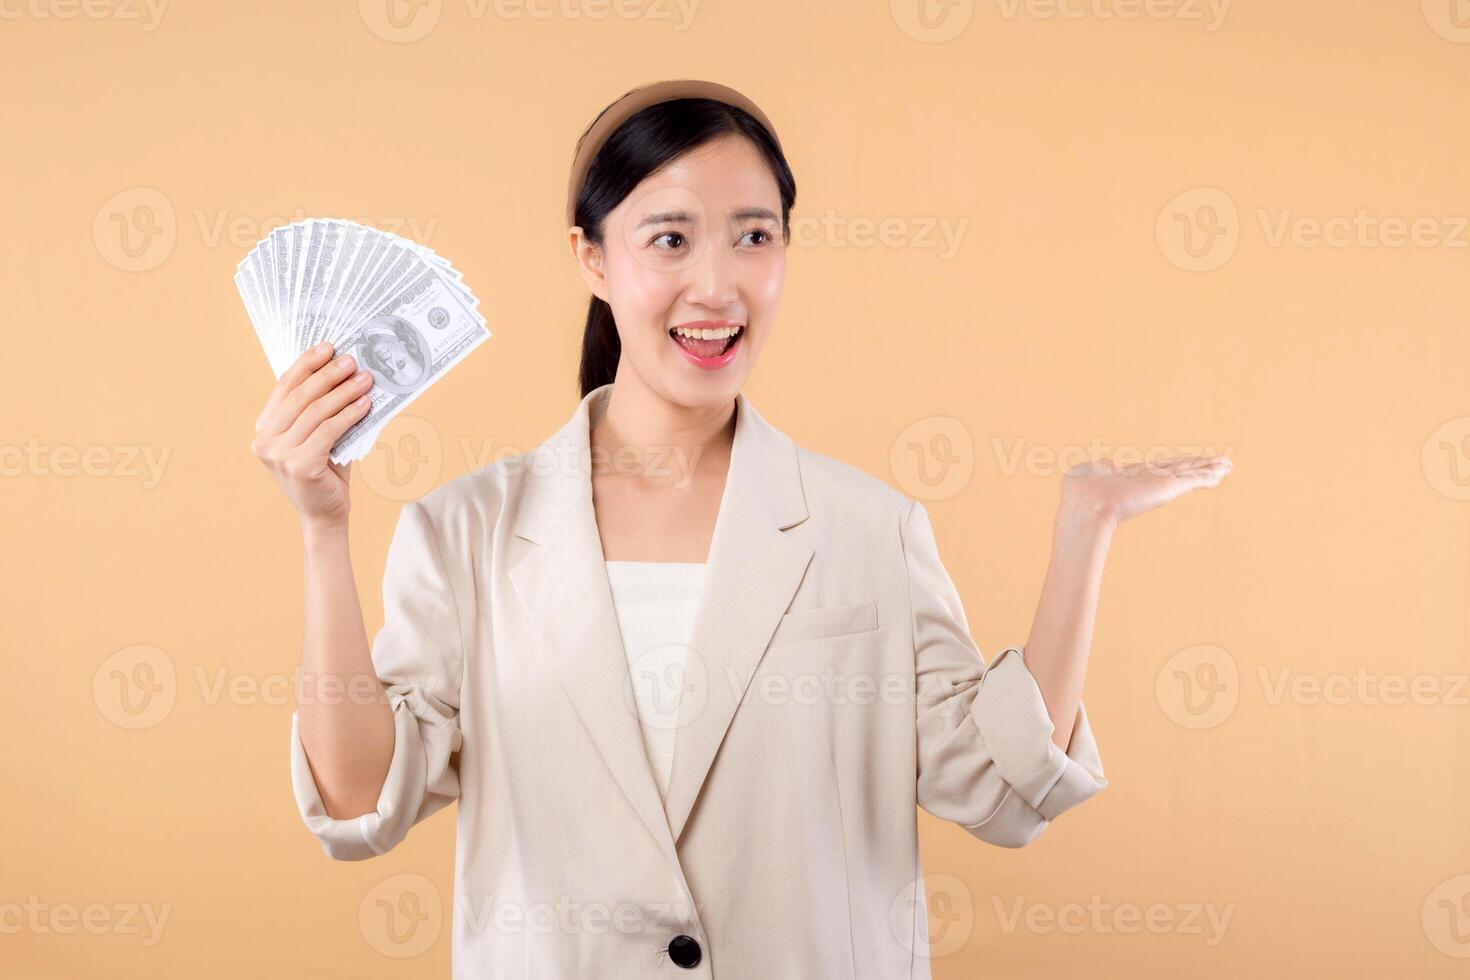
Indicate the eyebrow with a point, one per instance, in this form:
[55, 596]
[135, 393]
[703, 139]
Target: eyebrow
[677, 216]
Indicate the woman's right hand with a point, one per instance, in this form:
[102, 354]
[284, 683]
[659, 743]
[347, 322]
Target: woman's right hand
[316, 400]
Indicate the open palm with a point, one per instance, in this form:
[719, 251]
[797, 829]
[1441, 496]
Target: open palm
[1123, 492]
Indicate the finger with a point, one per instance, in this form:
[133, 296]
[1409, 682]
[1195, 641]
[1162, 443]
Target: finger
[300, 369]
[322, 380]
[1208, 477]
[1158, 466]
[325, 436]
[1196, 464]
[326, 406]
[1210, 465]
[1148, 464]
[1176, 466]
[288, 400]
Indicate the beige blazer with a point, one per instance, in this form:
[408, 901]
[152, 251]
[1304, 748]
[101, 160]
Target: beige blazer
[832, 688]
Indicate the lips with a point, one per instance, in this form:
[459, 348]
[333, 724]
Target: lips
[708, 354]
[705, 348]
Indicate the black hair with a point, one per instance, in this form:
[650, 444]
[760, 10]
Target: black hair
[645, 142]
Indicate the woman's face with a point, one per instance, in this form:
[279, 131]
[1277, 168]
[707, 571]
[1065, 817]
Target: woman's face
[697, 245]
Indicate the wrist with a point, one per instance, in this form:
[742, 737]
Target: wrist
[319, 533]
[1085, 517]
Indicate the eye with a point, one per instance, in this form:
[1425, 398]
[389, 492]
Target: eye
[767, 236]
[668, 234]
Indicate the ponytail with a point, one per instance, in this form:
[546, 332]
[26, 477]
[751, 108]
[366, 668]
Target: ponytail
[600, 347]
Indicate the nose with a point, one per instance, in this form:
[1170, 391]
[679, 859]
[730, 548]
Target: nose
[713, 279]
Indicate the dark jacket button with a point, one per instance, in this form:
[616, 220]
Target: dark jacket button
[684, 951]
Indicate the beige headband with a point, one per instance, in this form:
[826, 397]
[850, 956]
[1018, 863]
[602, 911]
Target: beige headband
[641, 98]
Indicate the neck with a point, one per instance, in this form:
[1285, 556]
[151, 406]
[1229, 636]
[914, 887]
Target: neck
[645, 437]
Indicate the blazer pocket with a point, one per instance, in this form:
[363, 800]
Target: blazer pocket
[826, 621]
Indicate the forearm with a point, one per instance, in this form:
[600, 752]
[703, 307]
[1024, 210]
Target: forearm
[1061, 632]
[345, 722]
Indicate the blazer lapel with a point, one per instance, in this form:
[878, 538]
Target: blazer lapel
[752, 574]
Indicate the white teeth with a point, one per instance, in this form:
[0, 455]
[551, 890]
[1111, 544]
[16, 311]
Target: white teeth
[717, 334]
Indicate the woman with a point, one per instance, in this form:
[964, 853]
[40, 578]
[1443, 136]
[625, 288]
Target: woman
[688, 681]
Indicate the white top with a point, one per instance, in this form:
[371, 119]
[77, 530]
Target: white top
[655, 602]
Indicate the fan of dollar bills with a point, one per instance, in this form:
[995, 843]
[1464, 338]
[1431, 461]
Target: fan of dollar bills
[400, 310]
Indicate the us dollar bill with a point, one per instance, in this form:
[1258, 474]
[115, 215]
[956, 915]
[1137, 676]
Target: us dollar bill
[407, 340]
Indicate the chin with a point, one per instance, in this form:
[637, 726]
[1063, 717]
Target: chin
[702, 391]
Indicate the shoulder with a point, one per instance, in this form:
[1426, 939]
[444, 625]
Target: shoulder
[834, 484]
[474, 500]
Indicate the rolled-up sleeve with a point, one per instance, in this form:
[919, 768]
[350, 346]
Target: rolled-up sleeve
[986, 760]
[418, 658]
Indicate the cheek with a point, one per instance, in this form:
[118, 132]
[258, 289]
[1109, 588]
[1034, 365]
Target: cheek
[639, 294]
[763, 284]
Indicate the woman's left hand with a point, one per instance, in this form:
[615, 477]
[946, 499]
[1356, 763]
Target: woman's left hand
[1120, 492]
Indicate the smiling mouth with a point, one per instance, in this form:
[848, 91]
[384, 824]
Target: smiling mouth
[704, 348]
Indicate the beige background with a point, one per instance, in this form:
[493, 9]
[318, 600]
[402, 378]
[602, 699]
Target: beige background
[1278, 674]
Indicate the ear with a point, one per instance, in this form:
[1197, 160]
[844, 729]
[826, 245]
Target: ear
[590, 261]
